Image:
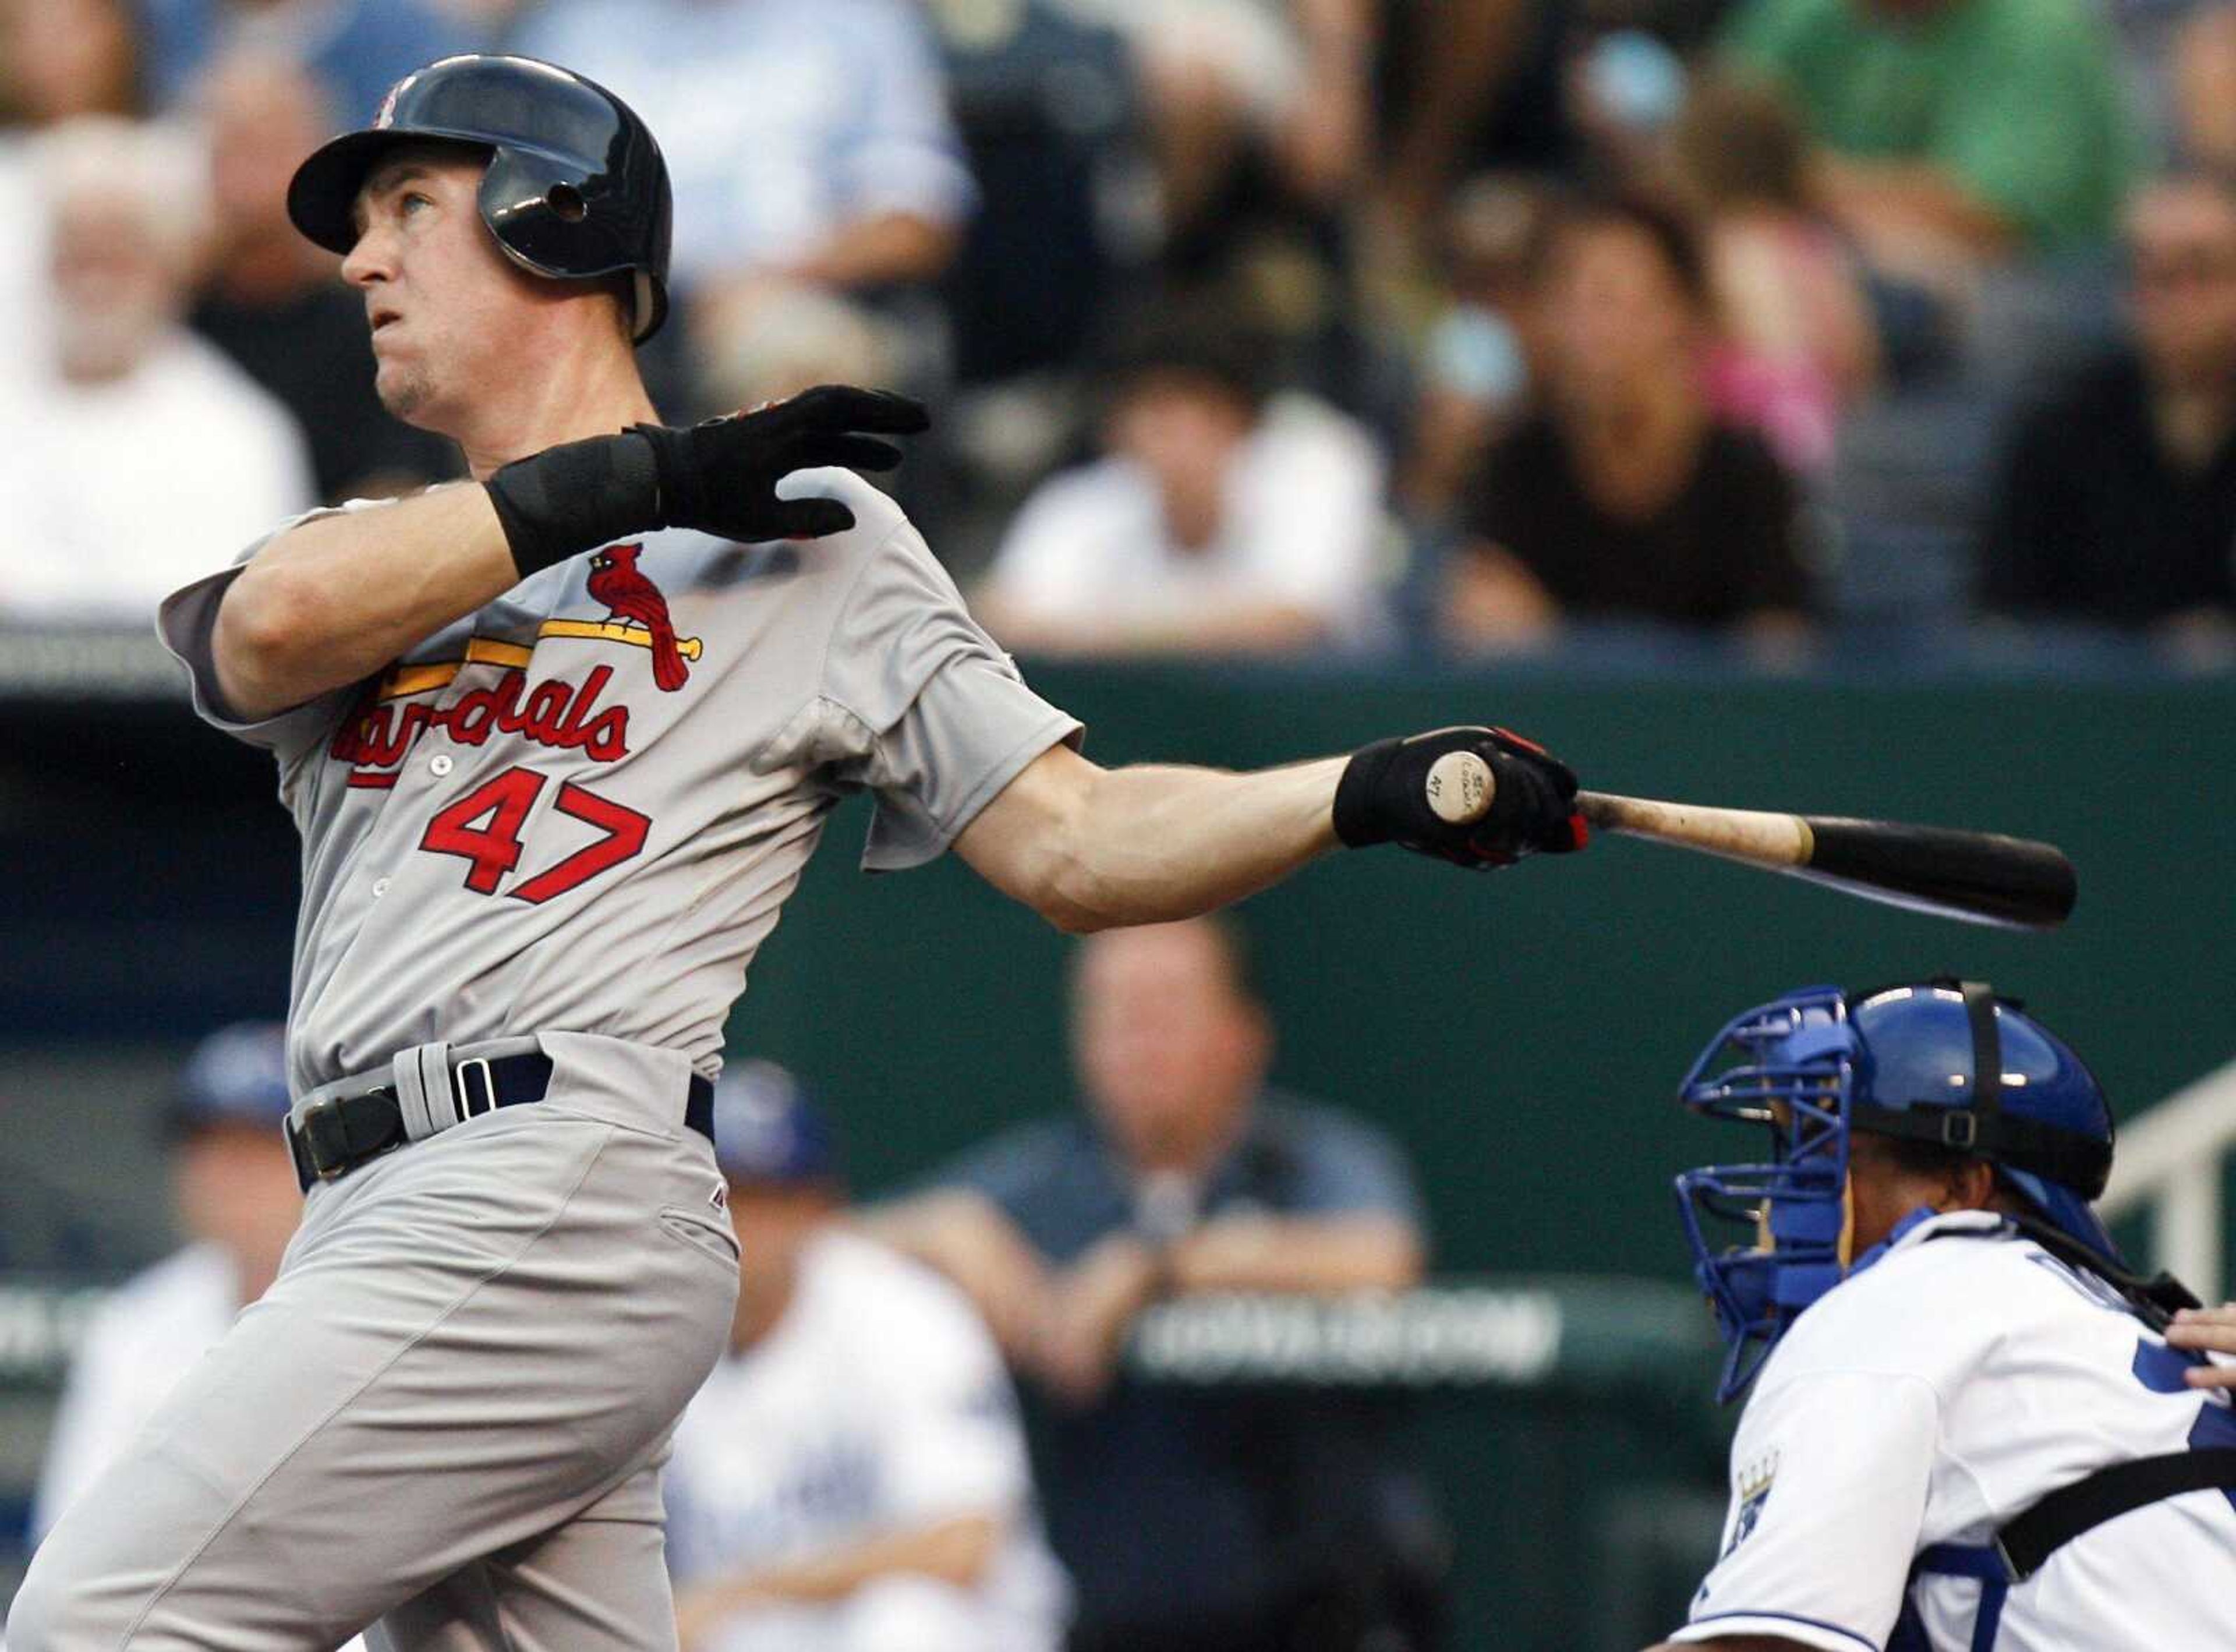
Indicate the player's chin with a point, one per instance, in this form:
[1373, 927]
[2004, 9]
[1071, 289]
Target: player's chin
[403, 389]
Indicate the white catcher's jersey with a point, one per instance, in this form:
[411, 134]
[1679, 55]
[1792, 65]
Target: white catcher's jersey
[876, 1405]
[1931, 1398]
[582, 807]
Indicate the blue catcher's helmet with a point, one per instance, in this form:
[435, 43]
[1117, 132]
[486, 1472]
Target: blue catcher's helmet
[1944, 1062]
[767, 1128]
[236, 1075]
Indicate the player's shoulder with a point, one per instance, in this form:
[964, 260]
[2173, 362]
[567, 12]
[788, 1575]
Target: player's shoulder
[892, 1299]
[1935, 1305]
[1095, 491]
[1304, 1125]
[1300, 430]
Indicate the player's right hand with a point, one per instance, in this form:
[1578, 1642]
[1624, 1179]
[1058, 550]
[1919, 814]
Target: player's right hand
[1409, 792]
[2207, 1331]
[721, 476]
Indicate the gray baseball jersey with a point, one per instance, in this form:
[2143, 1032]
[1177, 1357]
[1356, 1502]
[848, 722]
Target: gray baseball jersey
[583, 806]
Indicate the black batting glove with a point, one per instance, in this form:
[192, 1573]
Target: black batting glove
[719, 477]
[1389, 793]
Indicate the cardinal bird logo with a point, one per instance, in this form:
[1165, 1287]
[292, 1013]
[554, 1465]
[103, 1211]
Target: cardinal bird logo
[616, 581]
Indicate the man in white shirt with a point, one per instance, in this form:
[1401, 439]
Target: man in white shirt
[852, 1476]
[136, 455]
[1219, 522]
[1968, 1432]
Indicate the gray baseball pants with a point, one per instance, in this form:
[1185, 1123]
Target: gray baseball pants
[449, 1413]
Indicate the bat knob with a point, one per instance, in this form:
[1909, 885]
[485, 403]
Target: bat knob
[1459, 787]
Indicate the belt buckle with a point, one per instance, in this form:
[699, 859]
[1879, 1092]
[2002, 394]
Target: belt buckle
[459, 1096]
[324, 1138]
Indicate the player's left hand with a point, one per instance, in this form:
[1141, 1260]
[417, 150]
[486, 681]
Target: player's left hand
[1407, 792]
[2207, 1331]
[720, 475]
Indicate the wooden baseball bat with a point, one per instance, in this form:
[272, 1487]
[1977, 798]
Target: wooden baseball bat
[1979, 877]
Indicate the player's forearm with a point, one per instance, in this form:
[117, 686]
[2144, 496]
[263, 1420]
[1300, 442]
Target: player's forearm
[1299, 1254]
[334, 600]
[955, 1552]
[1091, 848]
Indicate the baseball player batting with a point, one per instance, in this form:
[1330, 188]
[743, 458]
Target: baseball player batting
[559, 740]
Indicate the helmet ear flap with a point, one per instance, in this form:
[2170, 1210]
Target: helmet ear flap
[548, 219]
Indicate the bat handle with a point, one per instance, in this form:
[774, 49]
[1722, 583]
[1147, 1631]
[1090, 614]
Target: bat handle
[1460, 788]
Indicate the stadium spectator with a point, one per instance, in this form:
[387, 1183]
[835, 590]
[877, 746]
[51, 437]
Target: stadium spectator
[1466, 86]
[1220, 522]
[237, 1203]
[356, 48]
[272, 301]
[59, 59]
[853, 1477]
[140, 454]
[1957, 133]
[2117, 500]
[1479, 362]
[1795, 343]
[65, 58]
[1291, 78]
[2202, 87]
[1625, 89]
[815, 166]
[1625, 497]
[1190, 1519]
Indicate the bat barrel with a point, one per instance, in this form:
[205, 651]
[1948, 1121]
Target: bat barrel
[1981, 875]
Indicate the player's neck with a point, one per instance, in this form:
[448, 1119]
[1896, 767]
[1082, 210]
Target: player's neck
[587, 392]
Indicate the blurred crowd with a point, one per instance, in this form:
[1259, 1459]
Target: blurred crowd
[1311, 328]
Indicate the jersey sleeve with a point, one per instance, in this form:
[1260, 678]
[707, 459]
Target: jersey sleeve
[1830, 1473]
[923, 708]
[954, 1446]
[186, 621]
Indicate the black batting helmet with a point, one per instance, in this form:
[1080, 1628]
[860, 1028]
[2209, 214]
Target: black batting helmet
[575, 188]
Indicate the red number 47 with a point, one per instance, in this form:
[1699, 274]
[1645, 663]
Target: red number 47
[484, 827]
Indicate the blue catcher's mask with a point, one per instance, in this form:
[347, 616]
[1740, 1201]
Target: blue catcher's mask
[1944, 1062]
